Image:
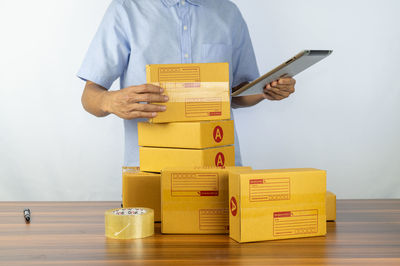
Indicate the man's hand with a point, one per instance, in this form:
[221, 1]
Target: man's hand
[135, 102]
[280, 89]
[129, 103]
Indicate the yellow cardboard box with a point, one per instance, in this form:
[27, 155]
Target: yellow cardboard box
[190, 135]
[196, 92]
[141, 189]
[156, 159]
[330, 206]
[277, 204]
[195, 200]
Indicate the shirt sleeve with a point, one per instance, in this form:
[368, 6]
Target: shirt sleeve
[109, 51]
[244, 61]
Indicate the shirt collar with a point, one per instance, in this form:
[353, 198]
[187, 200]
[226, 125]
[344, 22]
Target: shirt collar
[170, 3]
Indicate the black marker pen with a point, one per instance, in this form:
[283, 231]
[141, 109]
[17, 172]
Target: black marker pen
[27, 215]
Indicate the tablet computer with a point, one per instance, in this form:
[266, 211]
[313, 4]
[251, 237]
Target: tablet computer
[290, 68]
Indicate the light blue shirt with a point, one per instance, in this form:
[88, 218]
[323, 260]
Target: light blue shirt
[135, 33]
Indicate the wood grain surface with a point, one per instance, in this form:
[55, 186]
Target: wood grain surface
[367, 232]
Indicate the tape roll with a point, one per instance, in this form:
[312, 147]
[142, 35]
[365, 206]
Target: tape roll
[129, 223]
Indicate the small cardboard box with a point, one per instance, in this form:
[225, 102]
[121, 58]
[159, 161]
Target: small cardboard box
[277, 204]
[189, 135]
[156, 159]
[141, 189]
[330, 206]
[195, 200]
[197, 92]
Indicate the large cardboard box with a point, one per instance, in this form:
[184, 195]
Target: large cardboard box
[156, 159]
[195, 200]
[190, 135]
[196, 92]
[141, 189]
[277, 204]
[330, 206]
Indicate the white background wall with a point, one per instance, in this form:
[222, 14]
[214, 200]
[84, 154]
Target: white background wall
[344, 117]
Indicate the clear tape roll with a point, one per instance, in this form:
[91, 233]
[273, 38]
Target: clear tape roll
[129, 223]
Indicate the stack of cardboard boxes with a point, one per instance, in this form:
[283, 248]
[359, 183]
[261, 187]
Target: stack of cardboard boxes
[195, 130]
[187, 172]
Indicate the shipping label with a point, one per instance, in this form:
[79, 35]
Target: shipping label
[299, 222]
[269, 189]
[194, 184]
[214, 219]
[179, 74]
[203, 107]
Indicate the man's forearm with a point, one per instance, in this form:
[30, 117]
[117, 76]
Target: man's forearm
[93, 99]
[247, 101]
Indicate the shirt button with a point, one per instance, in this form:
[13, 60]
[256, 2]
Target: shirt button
[185, 27]
[186, 56]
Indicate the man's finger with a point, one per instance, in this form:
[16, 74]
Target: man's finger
[278, 91]
[275, 96]
[146, 88]
[282, 82]
[147, 107]
[149, 97]
[139, 114]
[286, 81]
[288, 88]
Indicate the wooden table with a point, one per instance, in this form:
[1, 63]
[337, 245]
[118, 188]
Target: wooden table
[367, 232]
